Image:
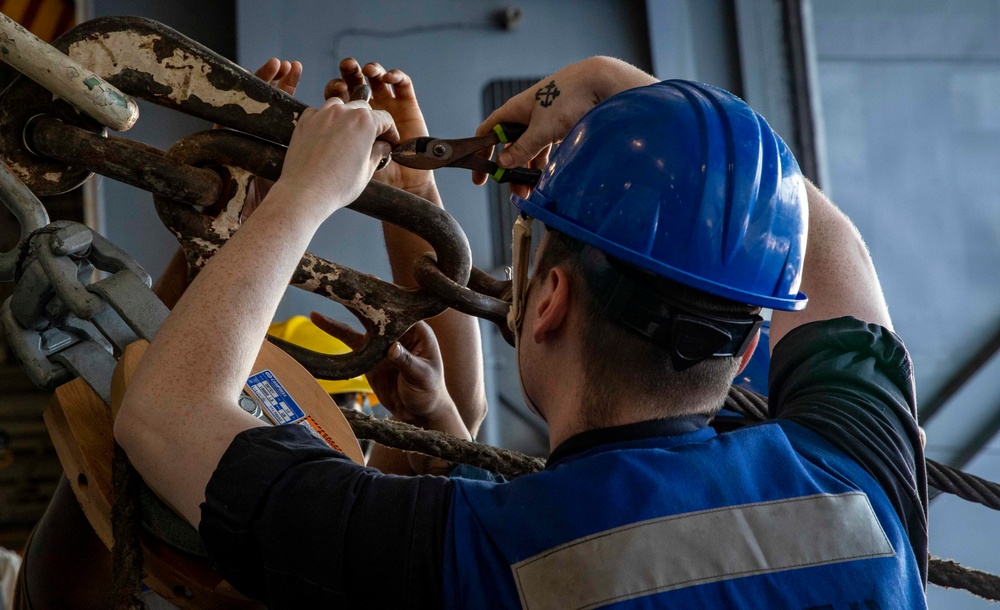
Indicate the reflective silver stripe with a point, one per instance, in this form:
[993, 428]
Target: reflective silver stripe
[701, 547]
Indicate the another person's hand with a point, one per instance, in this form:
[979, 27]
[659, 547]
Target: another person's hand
[409, 382]
[457, 334]
[333, 153]
[284, 75]
[173, 282]
[392, 91]
[553, 105]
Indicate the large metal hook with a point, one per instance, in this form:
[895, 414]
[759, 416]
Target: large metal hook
[150, 61]
[385, 310]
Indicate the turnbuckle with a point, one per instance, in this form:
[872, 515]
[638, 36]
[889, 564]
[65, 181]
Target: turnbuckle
[59, 324]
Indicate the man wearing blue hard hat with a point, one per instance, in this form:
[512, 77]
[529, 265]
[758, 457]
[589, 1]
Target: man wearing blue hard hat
[674, 214]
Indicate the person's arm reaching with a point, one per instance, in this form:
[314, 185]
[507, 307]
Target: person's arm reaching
[580, 87]
[410, 384]
[457, 333]
[173, 282]
[409, 381]
[63, 545]
[838, 370]
[177, 401]
[838, 275]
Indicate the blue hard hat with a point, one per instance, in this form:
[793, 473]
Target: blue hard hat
[687, 181]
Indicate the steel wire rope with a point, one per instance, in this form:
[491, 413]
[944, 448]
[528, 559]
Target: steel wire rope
[512, 464]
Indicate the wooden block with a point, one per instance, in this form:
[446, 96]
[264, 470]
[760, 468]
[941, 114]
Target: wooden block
[81, 430]
[322, 413]
[81, 427]
[79, 424]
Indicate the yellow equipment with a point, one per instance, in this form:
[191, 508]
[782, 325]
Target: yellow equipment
[301, 331]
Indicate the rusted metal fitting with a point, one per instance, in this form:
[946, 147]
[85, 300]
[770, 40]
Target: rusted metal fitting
[384, 309]
[149, 61]
[65, 78]
[485, 297]
[134, 163]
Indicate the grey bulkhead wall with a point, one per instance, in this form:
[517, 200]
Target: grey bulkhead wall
[909, 93]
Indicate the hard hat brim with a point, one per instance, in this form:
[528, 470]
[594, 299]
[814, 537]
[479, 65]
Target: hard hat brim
[563, 225]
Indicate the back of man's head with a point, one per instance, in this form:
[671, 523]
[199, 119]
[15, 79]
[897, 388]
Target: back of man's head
[679, 213]
[622, 364]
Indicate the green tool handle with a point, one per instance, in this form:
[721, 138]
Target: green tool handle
[509, 132]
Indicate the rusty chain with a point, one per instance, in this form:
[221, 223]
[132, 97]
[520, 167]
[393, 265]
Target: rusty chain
[385, 310]
[213, 170]
[63, 325]
[48, 147]
[52, 148]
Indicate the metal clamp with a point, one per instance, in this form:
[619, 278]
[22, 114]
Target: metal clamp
[61, 325]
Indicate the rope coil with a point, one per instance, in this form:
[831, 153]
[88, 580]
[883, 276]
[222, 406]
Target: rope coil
[126, 521]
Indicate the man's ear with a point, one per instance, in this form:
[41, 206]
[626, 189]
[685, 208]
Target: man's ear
[553, 303]
[745, 359]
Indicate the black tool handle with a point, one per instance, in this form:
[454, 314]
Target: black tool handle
[518, 175]
[510, 132]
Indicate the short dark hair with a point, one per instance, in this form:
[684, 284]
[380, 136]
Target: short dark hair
[619, 360]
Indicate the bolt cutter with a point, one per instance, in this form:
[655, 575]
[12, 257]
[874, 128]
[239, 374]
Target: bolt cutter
[431, 153]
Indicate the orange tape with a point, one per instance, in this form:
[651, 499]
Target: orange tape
[321, 432]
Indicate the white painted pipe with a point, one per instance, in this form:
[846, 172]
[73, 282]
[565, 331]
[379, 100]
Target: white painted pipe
[52, 69]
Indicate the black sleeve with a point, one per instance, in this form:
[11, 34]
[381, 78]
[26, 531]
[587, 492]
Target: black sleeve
[852, 383]
[295, 524]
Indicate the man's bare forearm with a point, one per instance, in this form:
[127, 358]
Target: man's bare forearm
[838, 275]
[192, 374]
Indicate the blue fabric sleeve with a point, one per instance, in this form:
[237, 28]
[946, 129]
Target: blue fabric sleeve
[465, 471]
[852, 383]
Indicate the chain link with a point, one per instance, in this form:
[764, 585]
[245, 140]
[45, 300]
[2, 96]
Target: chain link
[385, 310]
[29, 212]
[60, 323]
